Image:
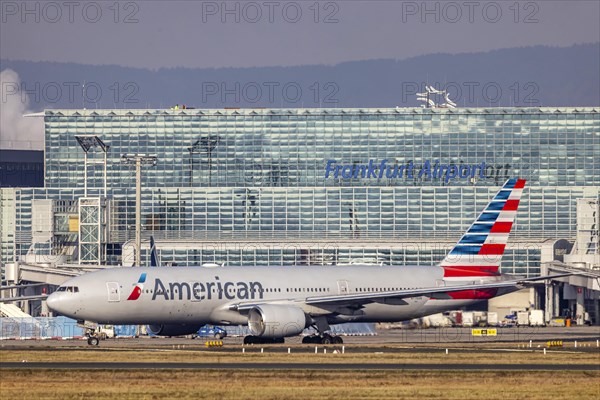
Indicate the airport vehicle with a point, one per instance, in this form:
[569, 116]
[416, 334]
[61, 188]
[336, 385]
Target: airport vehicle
[215, 331]
[536, 318]
[467, 319]
[492, 319]
[278, 302]
[522, 318]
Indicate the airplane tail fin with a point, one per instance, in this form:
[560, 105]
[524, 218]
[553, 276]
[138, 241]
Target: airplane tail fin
[480, 250]
[153, 255]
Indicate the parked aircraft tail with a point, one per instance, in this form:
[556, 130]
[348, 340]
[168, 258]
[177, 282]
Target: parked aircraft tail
[153, 255]
[480, 250]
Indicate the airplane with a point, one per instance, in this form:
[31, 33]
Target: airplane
[281, 301]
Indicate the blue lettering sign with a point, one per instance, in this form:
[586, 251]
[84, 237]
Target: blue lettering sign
[429, 170]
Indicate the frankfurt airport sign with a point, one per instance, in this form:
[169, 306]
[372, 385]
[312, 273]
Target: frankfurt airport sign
[384, 170]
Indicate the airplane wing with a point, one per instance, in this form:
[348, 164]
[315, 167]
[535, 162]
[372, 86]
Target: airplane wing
[429, 292]
[365, 298]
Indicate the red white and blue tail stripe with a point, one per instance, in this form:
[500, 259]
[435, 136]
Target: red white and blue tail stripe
[480, 250]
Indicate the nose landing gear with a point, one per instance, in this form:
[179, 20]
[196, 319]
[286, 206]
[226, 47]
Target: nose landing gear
[93, 341]
[92, 333]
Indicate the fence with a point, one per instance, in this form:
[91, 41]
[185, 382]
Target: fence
[66, 328]
[39, 328]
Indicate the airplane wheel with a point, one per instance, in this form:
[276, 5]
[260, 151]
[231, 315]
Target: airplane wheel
[249, 340]
[326, 339]
[338, 340]
[312, 339]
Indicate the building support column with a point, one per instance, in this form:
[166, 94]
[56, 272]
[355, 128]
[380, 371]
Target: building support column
[580, 306]
[549, 310]
[556, 310]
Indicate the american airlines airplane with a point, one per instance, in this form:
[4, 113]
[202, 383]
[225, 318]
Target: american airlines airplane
[278, 302]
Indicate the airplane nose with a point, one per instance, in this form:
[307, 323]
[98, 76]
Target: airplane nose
[53, 302]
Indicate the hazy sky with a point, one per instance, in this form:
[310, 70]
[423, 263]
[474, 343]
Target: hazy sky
[156, 34]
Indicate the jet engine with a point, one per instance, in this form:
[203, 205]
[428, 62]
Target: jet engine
[173, 330]
[276, 321]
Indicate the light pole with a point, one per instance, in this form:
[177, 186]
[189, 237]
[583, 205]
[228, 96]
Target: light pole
[138, 160]
[92, 211]
[87, 142]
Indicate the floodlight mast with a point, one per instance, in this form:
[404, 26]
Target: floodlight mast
[87, 142]
[138, 160]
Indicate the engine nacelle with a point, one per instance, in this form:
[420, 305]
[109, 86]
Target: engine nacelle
[173, 330]
[275, 321]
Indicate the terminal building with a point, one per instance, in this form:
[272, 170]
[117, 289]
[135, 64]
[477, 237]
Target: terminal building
[302, 186]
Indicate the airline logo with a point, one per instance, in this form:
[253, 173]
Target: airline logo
[137, 290]
[480, 250]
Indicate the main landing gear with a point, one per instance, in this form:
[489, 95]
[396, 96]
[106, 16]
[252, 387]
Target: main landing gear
[322, 326]
[313, 339]
[322, 339]
[319, 323]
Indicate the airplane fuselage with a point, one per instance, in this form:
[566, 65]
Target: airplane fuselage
[201, 295]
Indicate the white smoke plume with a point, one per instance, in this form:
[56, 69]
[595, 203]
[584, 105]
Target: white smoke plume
[16, 131]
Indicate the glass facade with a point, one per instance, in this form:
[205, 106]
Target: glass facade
[290, 147]
[250, 186]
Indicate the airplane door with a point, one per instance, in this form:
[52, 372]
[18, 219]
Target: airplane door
[342, 287]
[114, 292]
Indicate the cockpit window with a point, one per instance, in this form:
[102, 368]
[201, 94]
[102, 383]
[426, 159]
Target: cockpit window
[71, 289]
